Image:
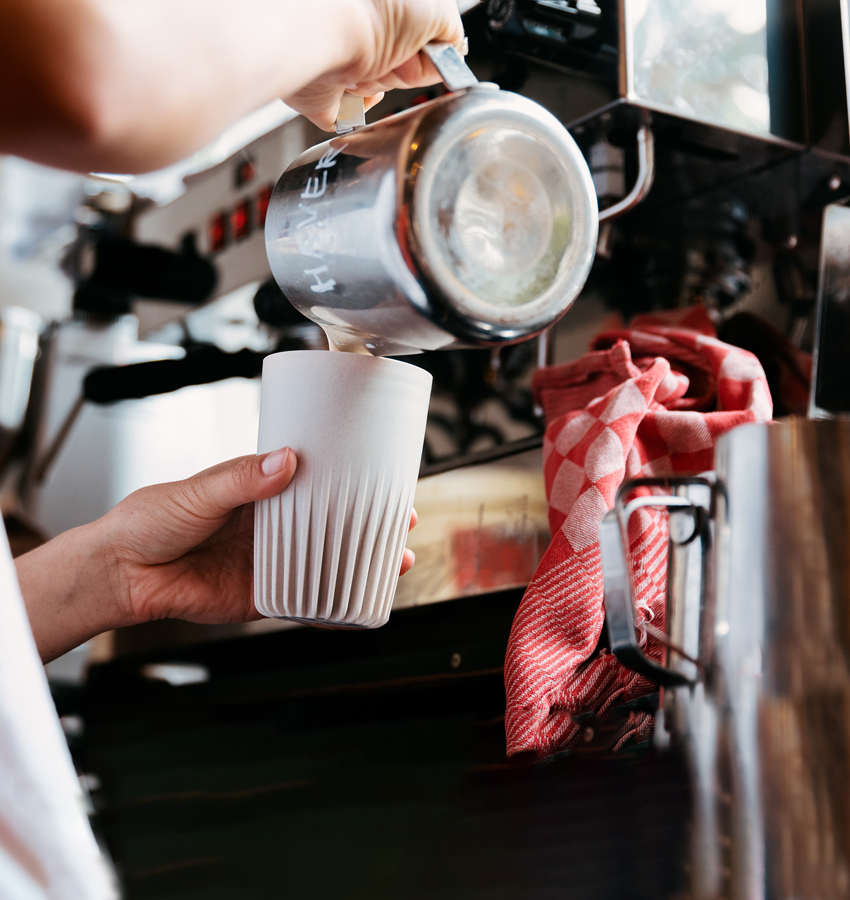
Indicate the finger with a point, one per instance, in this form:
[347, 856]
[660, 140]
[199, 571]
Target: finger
[320, 104]
[414, 519]
[366, 89]
[418, 71]
[325, 119]
[388, 82]
[374, 100]
[453, 32]
[217, 491]
[408, 558]
[451, 27]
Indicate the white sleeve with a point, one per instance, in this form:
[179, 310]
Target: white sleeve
[45, 838]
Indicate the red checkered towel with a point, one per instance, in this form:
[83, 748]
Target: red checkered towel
[649, 400]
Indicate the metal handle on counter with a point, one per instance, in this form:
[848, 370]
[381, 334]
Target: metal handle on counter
[619, 604]
[448, 61]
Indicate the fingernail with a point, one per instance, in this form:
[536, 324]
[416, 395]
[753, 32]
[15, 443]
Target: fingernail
[274, 462]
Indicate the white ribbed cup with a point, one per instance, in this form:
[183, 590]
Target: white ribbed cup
[328, 549]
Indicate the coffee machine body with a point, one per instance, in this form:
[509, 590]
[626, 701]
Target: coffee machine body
[757, 683]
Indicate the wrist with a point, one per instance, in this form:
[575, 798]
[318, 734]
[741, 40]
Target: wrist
[70, 590]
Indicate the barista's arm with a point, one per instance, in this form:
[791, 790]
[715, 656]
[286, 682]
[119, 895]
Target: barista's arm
[182, 550]
[133, 85]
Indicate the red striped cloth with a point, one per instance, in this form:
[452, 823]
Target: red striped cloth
[650, 400]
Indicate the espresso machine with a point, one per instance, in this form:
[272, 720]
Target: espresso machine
[715, 139]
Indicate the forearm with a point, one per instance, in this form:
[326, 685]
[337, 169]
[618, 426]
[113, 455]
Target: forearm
[130, 85]
[69, 590]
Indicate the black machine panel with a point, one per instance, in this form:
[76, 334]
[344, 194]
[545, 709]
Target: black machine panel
[580, 34]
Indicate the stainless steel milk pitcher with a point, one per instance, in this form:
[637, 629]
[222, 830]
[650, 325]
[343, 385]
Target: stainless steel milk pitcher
[470, 219]
[757, 669]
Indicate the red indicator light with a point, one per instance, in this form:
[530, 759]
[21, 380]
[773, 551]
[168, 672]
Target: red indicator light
[245, 172]
[218, 233]
[240, 221]
[263, 197]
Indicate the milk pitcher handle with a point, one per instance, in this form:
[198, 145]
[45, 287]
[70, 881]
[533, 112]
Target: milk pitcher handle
[619, 603]
[448, 61]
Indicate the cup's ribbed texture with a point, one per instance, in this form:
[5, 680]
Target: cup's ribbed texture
[329, 549]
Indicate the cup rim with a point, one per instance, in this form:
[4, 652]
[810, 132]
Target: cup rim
[337, 358]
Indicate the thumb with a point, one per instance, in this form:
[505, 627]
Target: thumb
[215, 492]
[319, 103]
